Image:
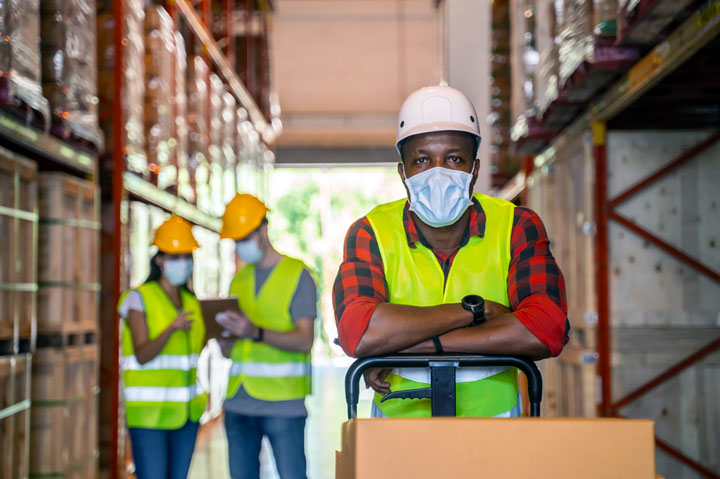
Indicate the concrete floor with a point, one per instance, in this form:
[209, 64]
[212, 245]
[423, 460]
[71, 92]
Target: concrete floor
[327, 411]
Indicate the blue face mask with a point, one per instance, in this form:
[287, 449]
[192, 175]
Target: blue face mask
[178, 271]
[439, 196]
[249, 251]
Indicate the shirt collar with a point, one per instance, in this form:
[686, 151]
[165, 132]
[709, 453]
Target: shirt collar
[476, 226]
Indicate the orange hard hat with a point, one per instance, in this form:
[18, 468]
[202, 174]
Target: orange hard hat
[243, 215]
[175, 236]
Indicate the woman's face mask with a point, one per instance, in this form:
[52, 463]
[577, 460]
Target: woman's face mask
[178, 271]
[439, 196]
[249, 251]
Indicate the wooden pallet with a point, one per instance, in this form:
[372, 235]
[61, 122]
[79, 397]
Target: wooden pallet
[64, 413]
[68, 298]
[14, 415]
[18, 228]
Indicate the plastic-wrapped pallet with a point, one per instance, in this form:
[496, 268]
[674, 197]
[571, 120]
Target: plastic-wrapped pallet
[20, 85]
[576, 37]
[69, 72]
[217, 160]
[229, 117]
[546, 77]
[198, 72]
[159, 59]
[133, 132]
[180, 152]
[583, 21]
[524, 56]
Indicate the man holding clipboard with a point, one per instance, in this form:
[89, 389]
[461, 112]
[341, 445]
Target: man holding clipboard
[272, 330]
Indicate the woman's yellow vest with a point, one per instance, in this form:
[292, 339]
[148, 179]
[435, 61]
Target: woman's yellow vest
[415, 277]
[163, 393]
[269, 373]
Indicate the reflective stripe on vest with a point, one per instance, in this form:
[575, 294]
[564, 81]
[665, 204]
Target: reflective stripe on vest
[181, 394]
[163, 393]
[270, 370]
[415, 277]
[163, 361]
[265, 372]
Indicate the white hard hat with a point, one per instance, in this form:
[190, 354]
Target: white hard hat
[436, 108]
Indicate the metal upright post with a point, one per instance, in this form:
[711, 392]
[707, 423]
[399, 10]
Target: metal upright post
[118, 160]
[602, 259]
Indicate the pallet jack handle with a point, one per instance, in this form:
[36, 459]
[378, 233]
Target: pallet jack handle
[441, 366]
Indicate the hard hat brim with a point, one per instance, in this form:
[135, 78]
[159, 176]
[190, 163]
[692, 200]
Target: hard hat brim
[436, 127]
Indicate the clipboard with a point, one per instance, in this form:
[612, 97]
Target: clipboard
[211, 307]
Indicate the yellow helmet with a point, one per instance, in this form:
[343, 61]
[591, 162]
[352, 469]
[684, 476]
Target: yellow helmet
[175, 236]
[242, 216]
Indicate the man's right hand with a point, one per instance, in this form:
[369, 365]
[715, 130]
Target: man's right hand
[493, 309]
[375, 378]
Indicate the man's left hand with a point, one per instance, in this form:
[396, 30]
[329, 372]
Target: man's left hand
[238, 324]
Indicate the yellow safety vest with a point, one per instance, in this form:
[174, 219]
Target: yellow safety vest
[163, 393]
[414, 277]
[266, 372]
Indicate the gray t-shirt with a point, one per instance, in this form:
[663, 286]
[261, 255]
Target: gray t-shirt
[303, 305]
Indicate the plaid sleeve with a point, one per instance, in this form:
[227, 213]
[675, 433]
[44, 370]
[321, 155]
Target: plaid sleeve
[536, 286]
[359, 285]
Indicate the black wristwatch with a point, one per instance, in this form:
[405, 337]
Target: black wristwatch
[260, 335]
[476, 305]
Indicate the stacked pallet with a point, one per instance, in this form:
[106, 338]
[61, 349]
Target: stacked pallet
[69, 69]
[68, 256]
[20, 84]
[14, 415]
[18, 226]
[561, 192]
[160, 57]
[18, 286]
[64, 413]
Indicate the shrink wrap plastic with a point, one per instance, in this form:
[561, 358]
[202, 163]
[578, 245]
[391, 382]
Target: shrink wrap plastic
[229, 117]
[159, 92]
[20, 55]
[133, 98]
[583, 20]
[217, 130]
[198, 73]
[69, 67]
[181, 123]
[546, 76]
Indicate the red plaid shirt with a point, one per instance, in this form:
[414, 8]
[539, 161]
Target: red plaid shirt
[536, 287]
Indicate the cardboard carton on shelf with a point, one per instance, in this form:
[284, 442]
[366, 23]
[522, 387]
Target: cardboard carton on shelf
[461, 448]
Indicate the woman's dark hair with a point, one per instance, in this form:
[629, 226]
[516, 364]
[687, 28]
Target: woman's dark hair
[156, 272]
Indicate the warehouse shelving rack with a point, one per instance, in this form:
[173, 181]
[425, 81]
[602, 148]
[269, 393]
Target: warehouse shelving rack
[197, 16]
[629, 103]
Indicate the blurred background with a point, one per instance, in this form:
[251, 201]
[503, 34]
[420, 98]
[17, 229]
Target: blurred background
[601, 115]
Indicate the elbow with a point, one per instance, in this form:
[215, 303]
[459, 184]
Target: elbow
[142, 359]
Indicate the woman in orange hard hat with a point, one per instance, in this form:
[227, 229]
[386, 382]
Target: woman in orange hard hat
[162, 339]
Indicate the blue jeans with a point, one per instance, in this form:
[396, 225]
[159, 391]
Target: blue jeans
[163, 454]
[287, 438]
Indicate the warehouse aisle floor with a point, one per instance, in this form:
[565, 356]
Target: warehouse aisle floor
[327, 412]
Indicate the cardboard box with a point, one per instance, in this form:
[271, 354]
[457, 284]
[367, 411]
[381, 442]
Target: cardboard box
[497, 448]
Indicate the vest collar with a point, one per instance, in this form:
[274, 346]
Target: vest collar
[476, 225]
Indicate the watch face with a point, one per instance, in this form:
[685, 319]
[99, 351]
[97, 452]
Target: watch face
[473, 300]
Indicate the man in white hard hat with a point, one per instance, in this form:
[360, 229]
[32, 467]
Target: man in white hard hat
[446, 270]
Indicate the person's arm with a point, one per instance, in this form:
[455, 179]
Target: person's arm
[393, 327]
[369, 325]
[299, 339]
[148, 349]
[504, 334]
